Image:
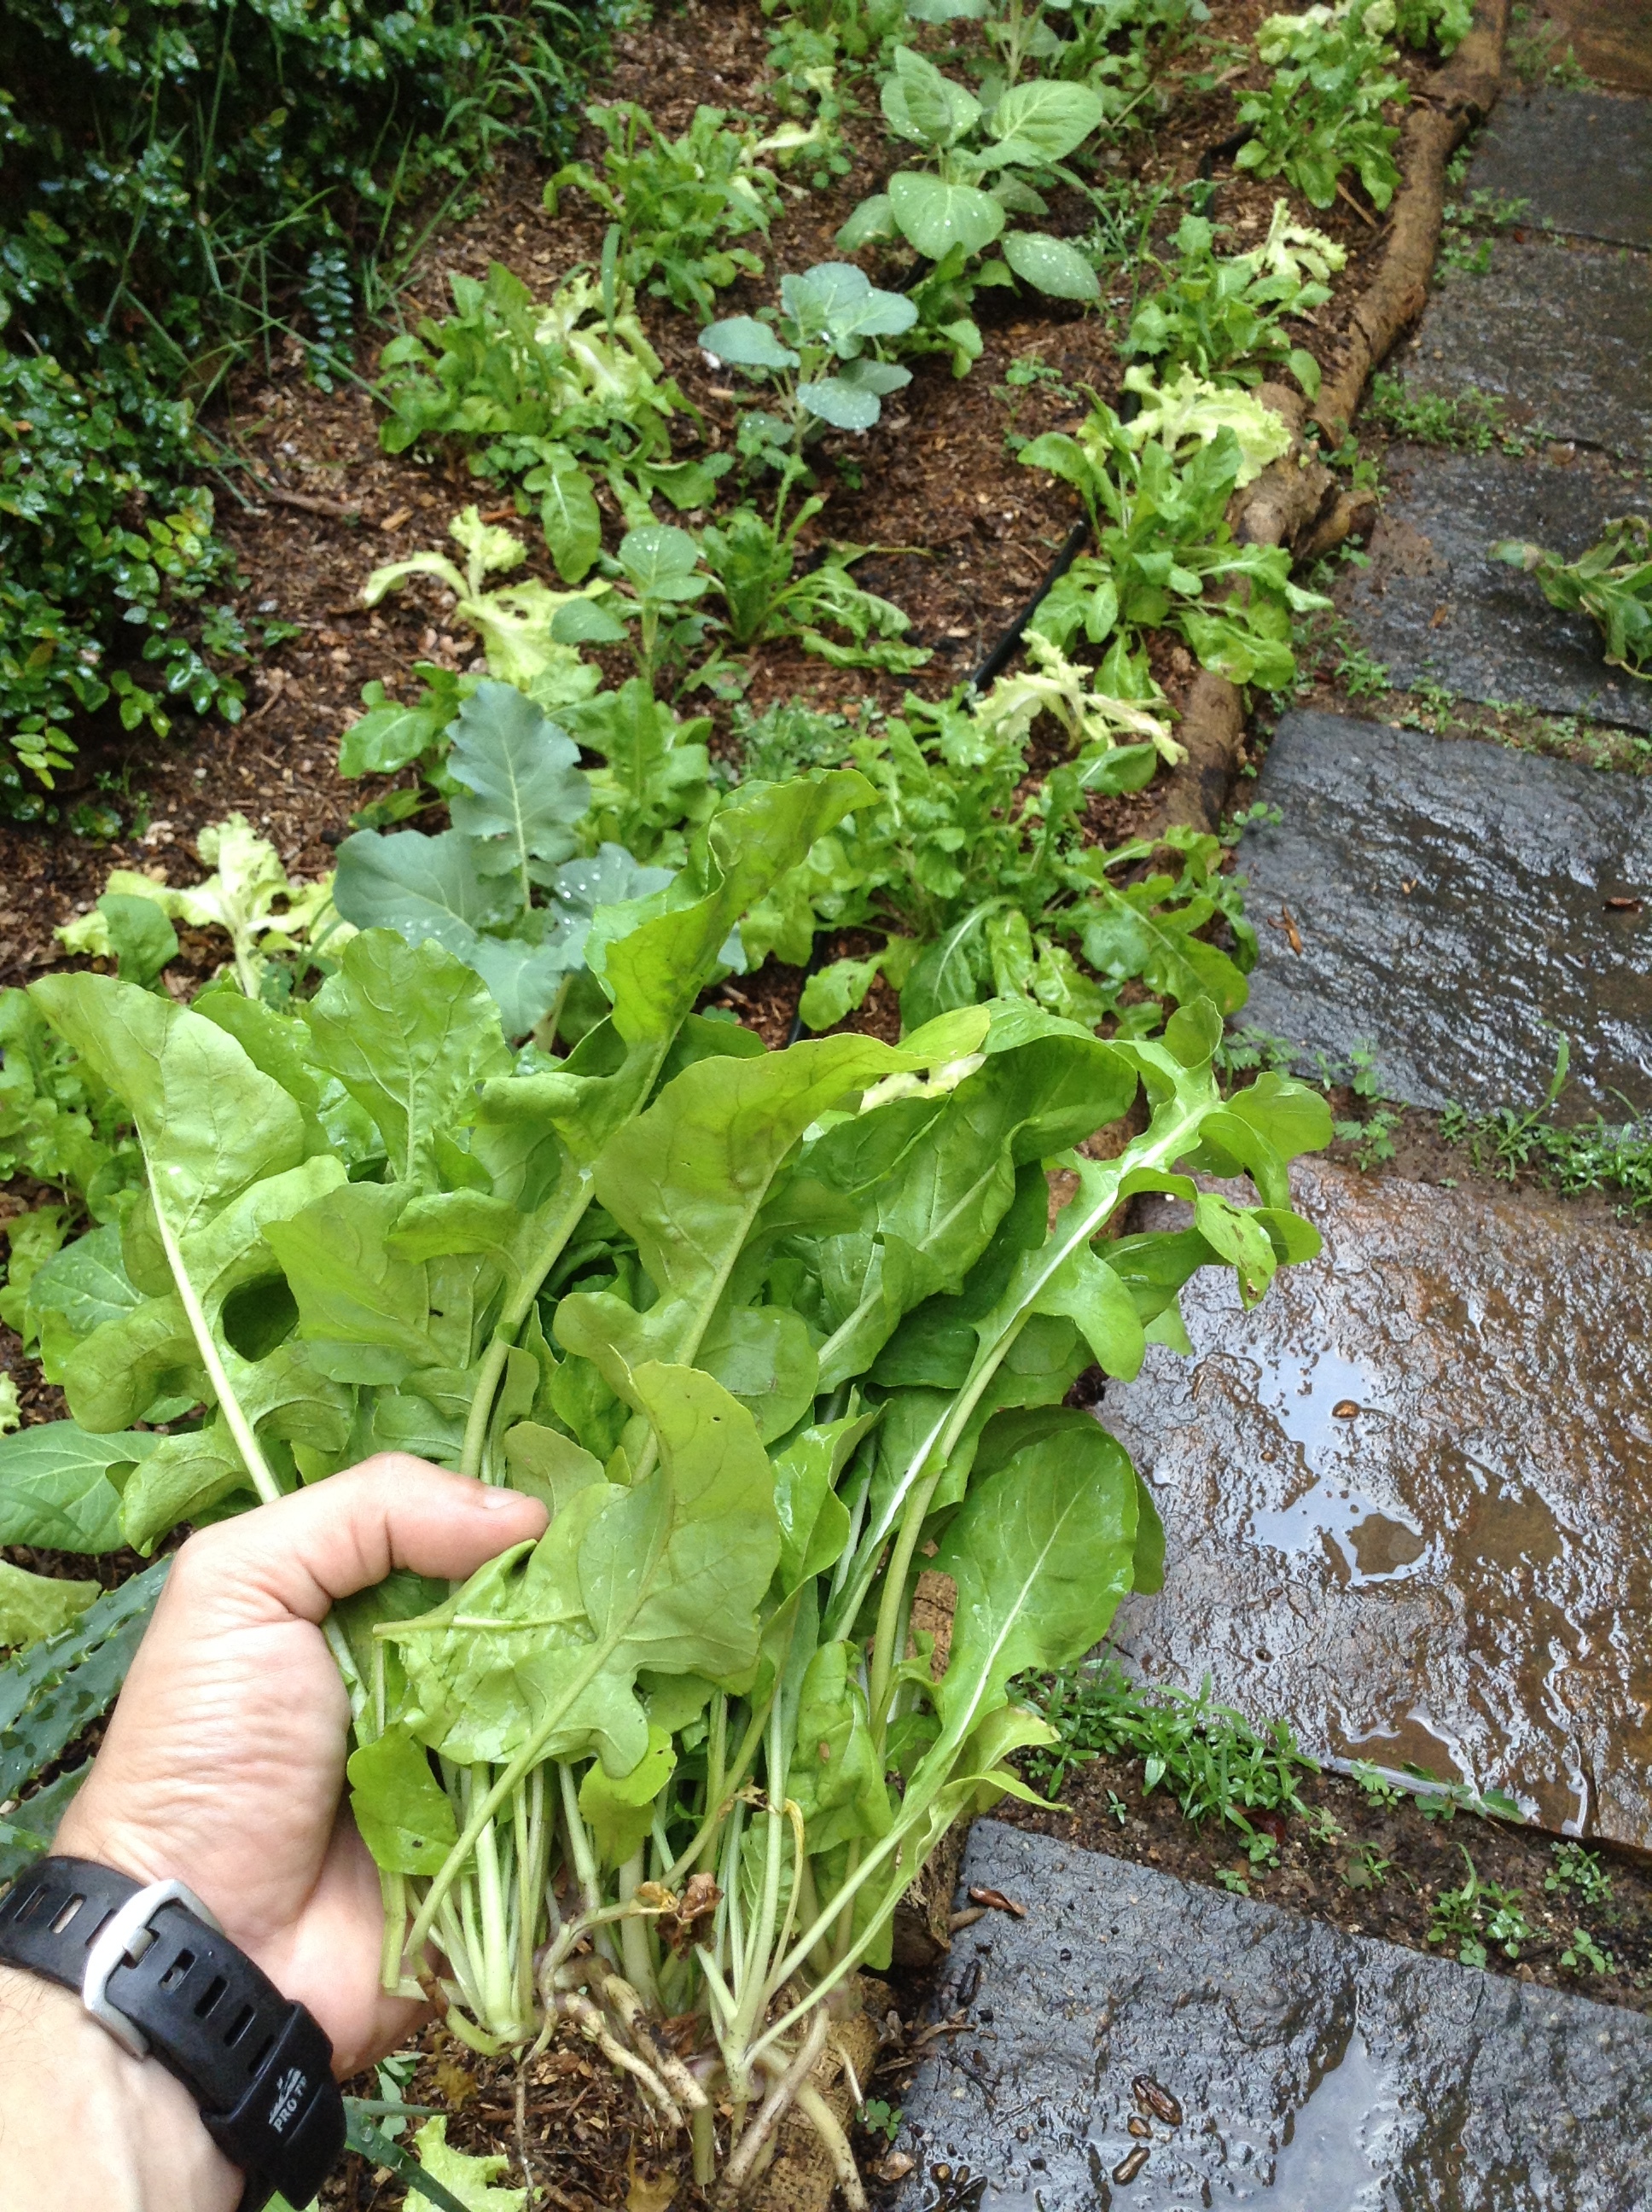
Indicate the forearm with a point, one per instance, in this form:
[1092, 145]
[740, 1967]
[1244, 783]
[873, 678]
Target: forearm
[85, 2127]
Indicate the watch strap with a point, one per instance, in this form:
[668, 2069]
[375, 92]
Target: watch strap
[155, 1969]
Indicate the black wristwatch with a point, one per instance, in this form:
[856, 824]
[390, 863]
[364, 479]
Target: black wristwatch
[156, 1968]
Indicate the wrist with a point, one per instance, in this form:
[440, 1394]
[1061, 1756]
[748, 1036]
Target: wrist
[86, 2127]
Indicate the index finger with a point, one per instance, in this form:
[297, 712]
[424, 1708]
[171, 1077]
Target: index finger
[292, 1560]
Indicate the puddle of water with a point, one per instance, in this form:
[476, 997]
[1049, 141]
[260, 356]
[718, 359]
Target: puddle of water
[1340, 2146]
[1329, 1407]
[1406, 1498]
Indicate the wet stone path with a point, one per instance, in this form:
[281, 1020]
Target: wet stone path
[1558, 328]
[1302, 2070]
[1407, 1498]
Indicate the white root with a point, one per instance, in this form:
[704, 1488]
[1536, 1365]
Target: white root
[630, 2007]
[589, 2021]
[821, 2117]
[742, 2165]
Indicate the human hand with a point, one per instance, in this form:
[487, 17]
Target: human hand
[223, 1766]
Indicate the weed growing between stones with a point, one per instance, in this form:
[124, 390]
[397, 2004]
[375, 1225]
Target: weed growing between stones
[1574, 1158]
[1469, 421]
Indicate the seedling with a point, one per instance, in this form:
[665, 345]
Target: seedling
[1585, 1956]
[1579, 1873]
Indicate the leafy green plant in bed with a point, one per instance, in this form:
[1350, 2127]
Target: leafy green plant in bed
[678, 204]
[981, 883]
[760, 1329]
[1156, 491]
[107, 559]
[511, 887]
[515, 623]
[981, 165]
[1077, 40]
[1444, 23]
[818, 353]
[547, 394]
[1222, 315]
[1612, 583]
[1321, 114]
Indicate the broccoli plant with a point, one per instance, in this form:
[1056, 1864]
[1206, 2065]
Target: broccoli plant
[815, 354]
[982, 165]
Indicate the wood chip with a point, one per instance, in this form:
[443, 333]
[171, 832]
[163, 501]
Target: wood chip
[402, 515]
[308, 503]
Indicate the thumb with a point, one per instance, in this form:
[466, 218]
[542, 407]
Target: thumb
[293, 1559]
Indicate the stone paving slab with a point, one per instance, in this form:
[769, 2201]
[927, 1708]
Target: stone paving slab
[1561, 332]
[1611, 38]
[1433, 605]
[1316, 2071]
[1582, 162]
[1449, 897]
[1406, 1498]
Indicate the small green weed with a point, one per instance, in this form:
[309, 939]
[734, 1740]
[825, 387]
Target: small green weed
[879, 2118]
[1371, 1133]
[1469, 421]
[1572, 1157]
[1367, 1869]
[1479, 1917]
[1465, 243]
[1233, 1881]
[679, 203]
[1246, 1047]
[1381, 1793]
[1579, 1874]
[1536, 55]
[1585, 1956]
[1208, 1757]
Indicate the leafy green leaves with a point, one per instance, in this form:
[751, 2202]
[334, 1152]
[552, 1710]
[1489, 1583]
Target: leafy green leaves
[60, 1487]
[1611, 582]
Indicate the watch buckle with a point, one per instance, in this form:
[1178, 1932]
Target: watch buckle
[114, 1947]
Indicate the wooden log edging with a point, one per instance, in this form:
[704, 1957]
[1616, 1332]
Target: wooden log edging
[1297, 501]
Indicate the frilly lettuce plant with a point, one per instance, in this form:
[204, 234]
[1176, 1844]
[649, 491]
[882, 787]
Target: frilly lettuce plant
[766, 1332]
[1157, 490]
[1221, 314]
[513, 621]
[547, 393]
